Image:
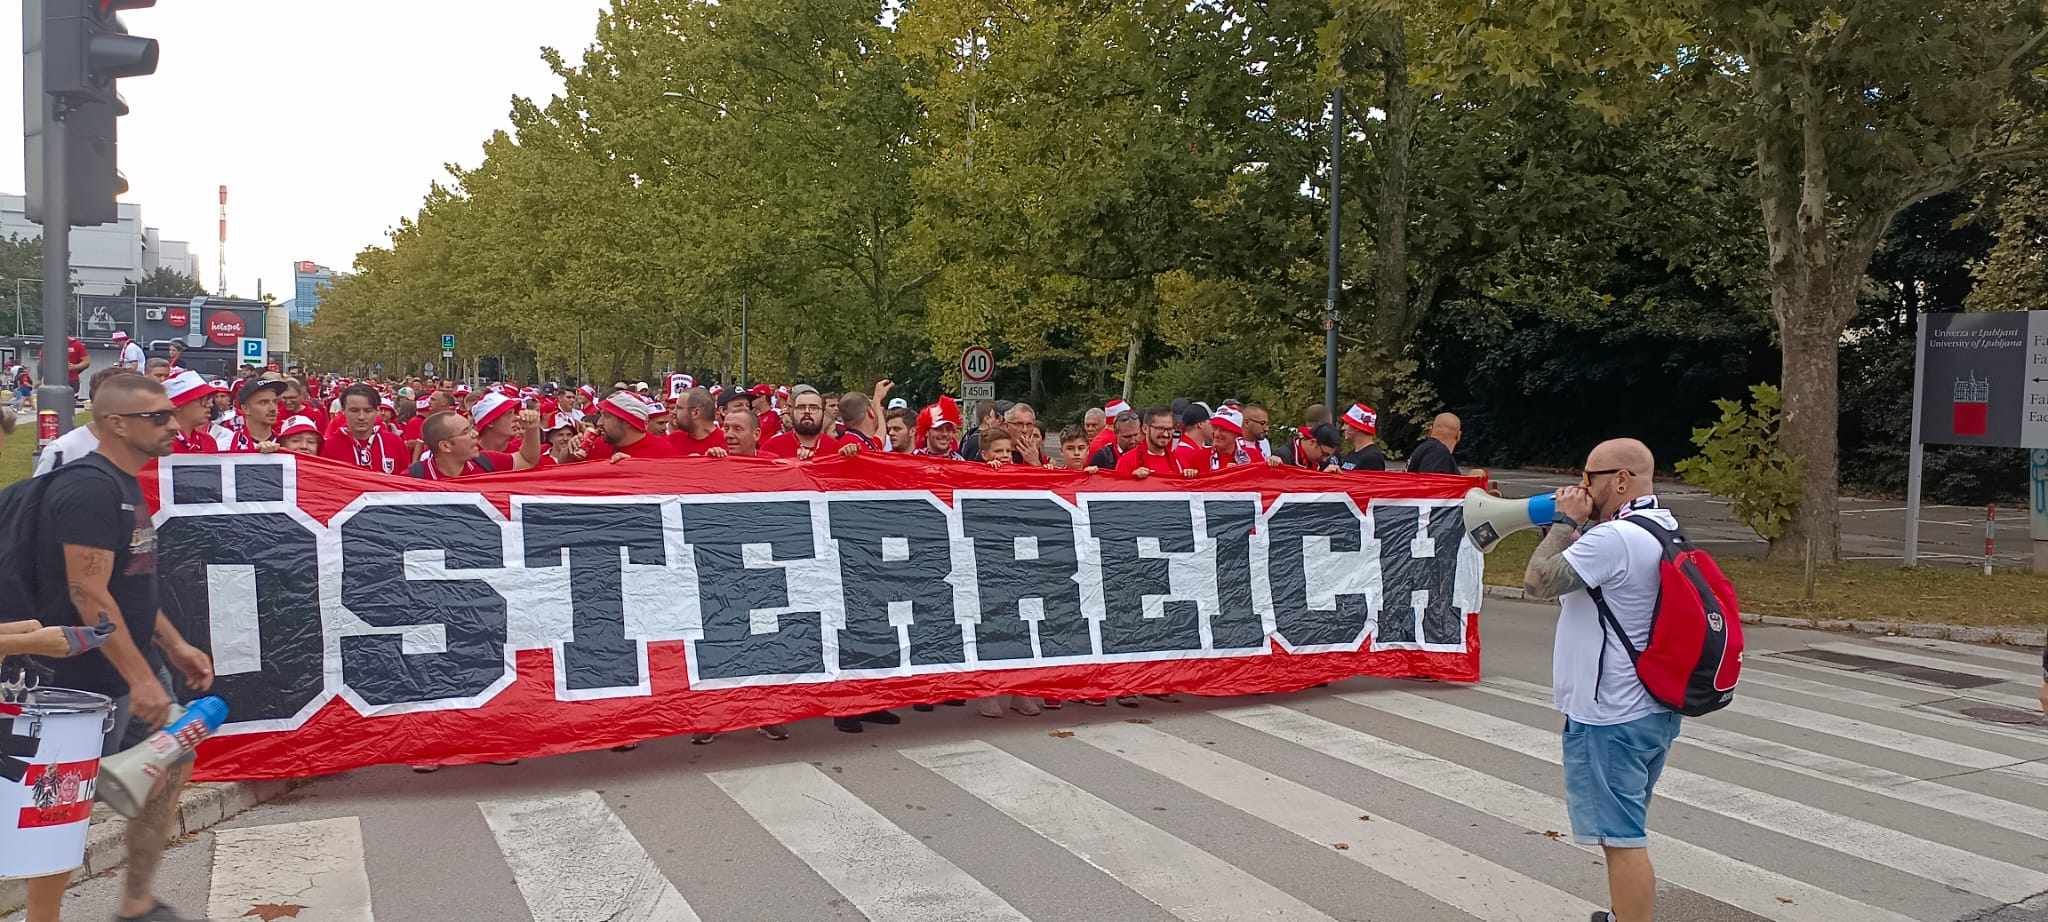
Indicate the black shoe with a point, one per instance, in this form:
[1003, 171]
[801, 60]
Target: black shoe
[926, 708]
[774, 731]
[955, 702]
[702, 739]
[1602, 915]
[847, 724]
[627, 747]
[161, 912]
[881, 717]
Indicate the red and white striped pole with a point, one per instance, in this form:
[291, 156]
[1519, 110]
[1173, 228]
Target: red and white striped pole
[1990, 535]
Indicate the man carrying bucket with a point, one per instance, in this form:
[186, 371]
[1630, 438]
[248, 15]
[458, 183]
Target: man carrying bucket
[94, 527]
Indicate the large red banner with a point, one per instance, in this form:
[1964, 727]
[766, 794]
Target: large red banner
[358, 619]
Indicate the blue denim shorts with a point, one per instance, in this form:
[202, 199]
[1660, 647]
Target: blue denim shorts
[1609, 772]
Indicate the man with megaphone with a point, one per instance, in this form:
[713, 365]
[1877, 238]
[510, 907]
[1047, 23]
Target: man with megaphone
[1616, 735]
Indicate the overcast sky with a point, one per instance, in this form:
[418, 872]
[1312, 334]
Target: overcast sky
[327, 121]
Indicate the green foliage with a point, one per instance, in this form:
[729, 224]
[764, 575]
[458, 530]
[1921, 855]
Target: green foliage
[1741, 458]
[165, 282]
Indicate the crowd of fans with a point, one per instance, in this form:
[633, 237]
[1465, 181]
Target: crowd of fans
[437, 430]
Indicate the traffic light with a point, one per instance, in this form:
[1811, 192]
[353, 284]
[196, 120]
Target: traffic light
[74, 51]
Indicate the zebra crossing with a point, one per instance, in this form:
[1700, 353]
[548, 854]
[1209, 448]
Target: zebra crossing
[1822, 796]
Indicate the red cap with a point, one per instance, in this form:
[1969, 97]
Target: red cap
[1228, 420]
[626, 408]
[1362, 418]
[490, 408]
[297, 425]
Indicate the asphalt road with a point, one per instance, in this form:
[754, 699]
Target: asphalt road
[1826, 795]
[1872, 529]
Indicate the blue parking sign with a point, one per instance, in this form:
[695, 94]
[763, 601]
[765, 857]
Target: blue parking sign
[254, 351]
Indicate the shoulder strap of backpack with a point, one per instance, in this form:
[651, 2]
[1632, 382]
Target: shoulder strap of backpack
[1670, 541]
[484, 461]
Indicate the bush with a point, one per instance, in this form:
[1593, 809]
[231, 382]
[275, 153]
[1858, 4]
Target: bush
[1740, 458]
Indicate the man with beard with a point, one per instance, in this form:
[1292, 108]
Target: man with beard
[1256, 424]
[94, 527]
[937, 427]
[360, 440]
[1361, 426]
[622, 421]
[455, 449]
[696, 431]
[807, 438]
[1151, 455]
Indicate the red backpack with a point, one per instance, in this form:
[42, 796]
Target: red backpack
[1694, 656]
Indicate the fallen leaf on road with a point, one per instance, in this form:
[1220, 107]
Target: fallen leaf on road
[1341, 846]
[1786, 900]
[271, 912]
[1366, 817]
[1060, 734]
[1552, 834]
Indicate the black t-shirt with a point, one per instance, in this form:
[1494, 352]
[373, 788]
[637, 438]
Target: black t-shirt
[1105, 457]
[1432, 457]
[92, 503]
[1369, 458]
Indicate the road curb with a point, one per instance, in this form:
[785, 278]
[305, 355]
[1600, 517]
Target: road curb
[202, 807]
[1961, 633]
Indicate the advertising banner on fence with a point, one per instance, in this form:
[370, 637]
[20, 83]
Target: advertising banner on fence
[356, 619]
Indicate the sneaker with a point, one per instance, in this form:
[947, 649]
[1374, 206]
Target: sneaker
[1026, 707]
[161, 912]
[1602, 915]
[425, 769]
[775, 732]
[1096, 702]
[881, 717]
[1126, 701]
[702, 739]
[989, 707]
[505, 762]
[847, 724]
[923, 708]
[1052, 704]
[1168, 698]
[955, 702]
[628, 747]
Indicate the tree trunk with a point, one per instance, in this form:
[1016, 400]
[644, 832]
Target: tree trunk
[1391, 306]
[1038, 383]
[1812, 418]
[1131, 359]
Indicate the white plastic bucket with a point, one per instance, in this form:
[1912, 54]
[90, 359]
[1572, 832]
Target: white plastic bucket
[44, 814]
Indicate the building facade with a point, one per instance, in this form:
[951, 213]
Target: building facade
[309, 280]
[105, 258]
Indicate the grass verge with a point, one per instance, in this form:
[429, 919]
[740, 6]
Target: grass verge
[1862, 591]
[18, 455]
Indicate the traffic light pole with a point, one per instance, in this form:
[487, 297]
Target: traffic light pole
[55, 396]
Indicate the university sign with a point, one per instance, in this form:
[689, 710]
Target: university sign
[356, 619]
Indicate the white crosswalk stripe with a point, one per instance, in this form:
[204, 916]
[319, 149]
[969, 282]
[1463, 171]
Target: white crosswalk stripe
[881, 869]
[1178, 877]
[1932, 662]
[1780, 666]
[1914, 706]
[1943, 864]
[575, 861]
[1968, 651]
[1450, 875]
[1869, 779]
[316, 864]
[1766, 893]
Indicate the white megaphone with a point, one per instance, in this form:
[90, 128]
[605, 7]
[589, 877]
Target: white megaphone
[127, 777]
[1489, 518]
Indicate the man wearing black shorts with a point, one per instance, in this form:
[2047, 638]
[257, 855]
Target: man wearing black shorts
[94, 527]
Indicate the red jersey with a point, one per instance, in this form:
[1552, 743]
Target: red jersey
[785, 445]
[1247, 453]
[690, 446]
[771, 425]
[238, 439]
[202, 442]
[1188, 456]
[1103, 439]
[381, 453]
[74, 353]
[487, 462]
[649, 446]
[1142, 456]
[415, 429]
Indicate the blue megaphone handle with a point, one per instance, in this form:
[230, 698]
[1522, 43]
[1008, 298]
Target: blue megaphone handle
[1543, 509]
[210, 710]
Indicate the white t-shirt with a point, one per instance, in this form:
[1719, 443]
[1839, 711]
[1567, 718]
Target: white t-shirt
[1623, 561]
[70, 446]
[132, 356]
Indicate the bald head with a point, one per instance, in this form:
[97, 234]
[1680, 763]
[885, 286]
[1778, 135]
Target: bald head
[1632, 466]
[1447, 428]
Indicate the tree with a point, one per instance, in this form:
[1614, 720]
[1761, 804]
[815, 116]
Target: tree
[165, 282]
[1848, 115]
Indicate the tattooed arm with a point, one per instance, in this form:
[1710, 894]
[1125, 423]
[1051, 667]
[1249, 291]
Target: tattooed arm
[1549, 575]
[86, 570]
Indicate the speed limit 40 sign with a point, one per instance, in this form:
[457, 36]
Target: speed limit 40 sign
[977, 364]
